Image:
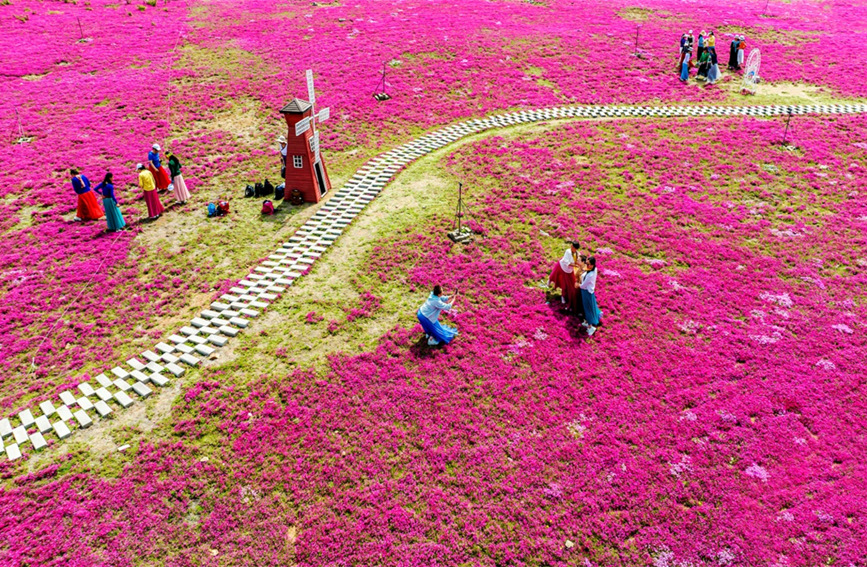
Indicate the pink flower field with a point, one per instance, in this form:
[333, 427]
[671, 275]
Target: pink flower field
[716, 417]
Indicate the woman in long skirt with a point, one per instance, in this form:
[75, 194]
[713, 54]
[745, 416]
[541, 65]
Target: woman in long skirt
[148, 185]
[684, 69]
[592, 315]
[562, 275]
[178, 186]
[703, 65]
[713, 72]
[733, 54]
[113, 218]
[429, 314]
[157, 169]
[88, 208]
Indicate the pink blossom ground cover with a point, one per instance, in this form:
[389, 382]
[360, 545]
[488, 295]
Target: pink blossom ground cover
[713, 420]
[159, 73]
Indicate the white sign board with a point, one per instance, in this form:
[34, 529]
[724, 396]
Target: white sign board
[311, 94]
[324, 114]
[302, 126]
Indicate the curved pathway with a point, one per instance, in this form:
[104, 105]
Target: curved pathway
[135, 379]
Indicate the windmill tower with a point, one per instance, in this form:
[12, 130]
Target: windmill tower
[305, 169]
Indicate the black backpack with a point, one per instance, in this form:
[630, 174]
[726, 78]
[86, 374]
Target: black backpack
[260, 190]
[268, 187]
[279, 191]
[249, 191]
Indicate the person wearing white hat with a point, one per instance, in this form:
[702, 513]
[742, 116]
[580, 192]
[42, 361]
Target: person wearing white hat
[742, 46]
[282, 146]
[161, 176]
[149, 186]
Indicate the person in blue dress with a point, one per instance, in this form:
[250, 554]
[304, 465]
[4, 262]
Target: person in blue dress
[429, 315]
[592, 315]
[113, 218]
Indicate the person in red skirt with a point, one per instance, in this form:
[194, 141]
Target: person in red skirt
[563, 275]
[155, 166]
[88, 208]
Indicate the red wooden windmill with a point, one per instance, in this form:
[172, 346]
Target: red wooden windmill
[305, 169]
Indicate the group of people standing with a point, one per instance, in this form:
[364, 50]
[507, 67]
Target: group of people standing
[705, 54]
[578, 291]
[153, 177]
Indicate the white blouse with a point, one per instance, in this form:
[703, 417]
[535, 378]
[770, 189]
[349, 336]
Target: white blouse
[588, 281]
[434, 306]
[566, 261]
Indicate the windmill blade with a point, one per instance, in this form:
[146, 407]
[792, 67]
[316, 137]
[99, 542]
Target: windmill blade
[311, 94]
[302, 126]
[324, 114]
[316, 155]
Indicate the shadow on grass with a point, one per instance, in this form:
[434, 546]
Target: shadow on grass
[282, 211]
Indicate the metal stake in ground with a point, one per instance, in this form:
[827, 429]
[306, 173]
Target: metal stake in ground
[637, 29]
[21, 137]
[786, 133]
[459, 233]
[379, 93]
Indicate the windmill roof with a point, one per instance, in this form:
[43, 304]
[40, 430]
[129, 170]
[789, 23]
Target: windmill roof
[297, 106]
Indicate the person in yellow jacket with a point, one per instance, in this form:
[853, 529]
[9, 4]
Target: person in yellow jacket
[149, 185]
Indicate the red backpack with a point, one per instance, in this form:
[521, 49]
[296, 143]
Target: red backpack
[267, 208]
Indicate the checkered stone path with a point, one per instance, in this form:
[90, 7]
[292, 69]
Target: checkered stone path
[139, 377]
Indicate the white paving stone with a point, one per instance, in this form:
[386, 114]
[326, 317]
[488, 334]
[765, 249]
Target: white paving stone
[64, 413]
[26, 418]
[123, 399]
[13, 452]
[86, 389]
[159, 380]
[150, 356]
[38, 441]
[84, 403]
[61, 429]
[5, 428]
[102, 408]
[42, 424]
[83, 419]
[47, 408]
[174, 369]
[20, 434]
[67, 398]
[142, 389]
[204, 350]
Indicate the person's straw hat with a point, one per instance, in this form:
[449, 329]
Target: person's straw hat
[139, 166]
[281, 139]
[156, 147]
